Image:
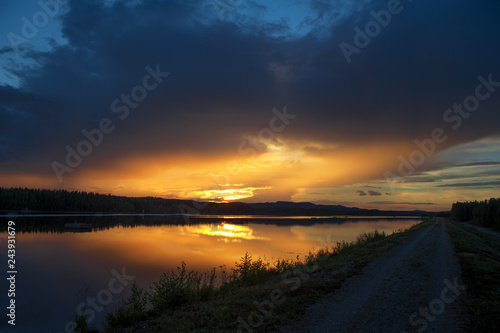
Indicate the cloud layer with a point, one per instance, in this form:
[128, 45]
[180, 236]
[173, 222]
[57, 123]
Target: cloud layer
[225, 78]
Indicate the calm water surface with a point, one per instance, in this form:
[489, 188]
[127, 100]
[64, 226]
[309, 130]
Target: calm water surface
[58, 270]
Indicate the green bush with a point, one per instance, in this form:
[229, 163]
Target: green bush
[131, 310]
[175, 289]
[371, 237]
[81, 324]
[250, 272]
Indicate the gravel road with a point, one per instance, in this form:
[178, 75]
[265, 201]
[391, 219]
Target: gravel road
[416, 287]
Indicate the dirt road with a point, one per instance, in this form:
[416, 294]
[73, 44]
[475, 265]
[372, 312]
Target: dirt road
[416, 287]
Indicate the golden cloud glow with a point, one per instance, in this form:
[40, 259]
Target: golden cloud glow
[225, 195]
[276, 169]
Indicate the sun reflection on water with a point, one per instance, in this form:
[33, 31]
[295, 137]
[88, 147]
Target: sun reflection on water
[225, 231]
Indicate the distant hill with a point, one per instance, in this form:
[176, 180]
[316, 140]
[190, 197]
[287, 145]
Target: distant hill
[37, 200]
[310, 209]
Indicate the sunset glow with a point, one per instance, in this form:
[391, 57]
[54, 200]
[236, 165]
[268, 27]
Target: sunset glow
[231, 109]
[173, 138]
[225, 231]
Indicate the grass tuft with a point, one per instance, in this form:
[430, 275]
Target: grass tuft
[479, 255]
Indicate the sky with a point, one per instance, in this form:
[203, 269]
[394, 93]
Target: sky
[374, 104]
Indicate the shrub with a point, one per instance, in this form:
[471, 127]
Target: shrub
[131, 310]
[175, 289]
[250, 272]
[81, 324]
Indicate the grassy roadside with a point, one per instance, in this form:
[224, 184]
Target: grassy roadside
[493, 228]
[479, 256]
[255, 297]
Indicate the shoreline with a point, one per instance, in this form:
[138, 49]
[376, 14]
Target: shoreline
[273, 301]
[288, 290]
[228, 217]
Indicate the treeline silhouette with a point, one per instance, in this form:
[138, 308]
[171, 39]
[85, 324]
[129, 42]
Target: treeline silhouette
[55, 224]
[486, 213]
[32, 200]
[29, 201]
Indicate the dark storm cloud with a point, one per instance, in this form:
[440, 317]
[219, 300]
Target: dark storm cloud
[426, 179]
[22, 114]
[403, 203]
[224, 80]
[212, 71]
[370, 193]
[475, 170]
[493, 184]
[5, 50]
[425, 60]
[477, 164]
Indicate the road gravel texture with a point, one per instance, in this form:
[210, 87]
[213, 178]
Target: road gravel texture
[415, 287]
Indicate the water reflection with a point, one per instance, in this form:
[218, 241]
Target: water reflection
[225, 231]
[57, 268]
